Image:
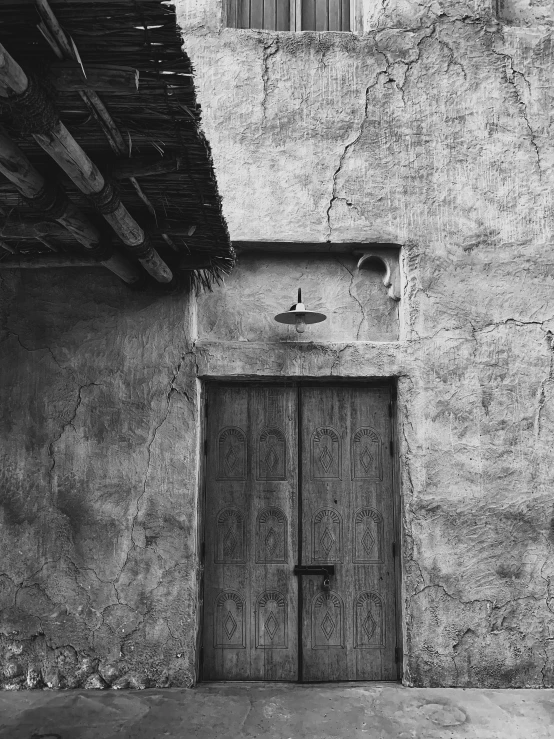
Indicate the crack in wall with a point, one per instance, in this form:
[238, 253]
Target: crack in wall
[452, 61]
[172, 389]
[9, 333]
[345, 152]
[543, 667]
[354, 297]
[426, 32]
[88, 614]
[542, 390]
[63, 429]
[11, 299]
[336, 360]
[269, 51]
[410, 453]
[386, 75]
[414, 670]
[491, 627]
[382, 13]
[511, 75]
[478, 329]
[523, 108]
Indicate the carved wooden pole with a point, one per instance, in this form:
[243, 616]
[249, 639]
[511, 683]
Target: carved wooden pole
[53, 203]
[56, 140]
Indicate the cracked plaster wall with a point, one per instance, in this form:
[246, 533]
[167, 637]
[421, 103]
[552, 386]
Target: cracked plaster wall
[431, 129]
[97, 484]
[243, 309]
[433, 133]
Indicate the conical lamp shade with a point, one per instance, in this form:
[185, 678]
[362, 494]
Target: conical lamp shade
[298, 312]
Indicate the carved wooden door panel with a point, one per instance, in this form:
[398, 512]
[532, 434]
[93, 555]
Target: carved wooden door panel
[348, 631]
[261, 622]
[250, 629]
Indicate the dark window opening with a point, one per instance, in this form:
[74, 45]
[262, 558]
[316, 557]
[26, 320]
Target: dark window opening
[289, 15]
[325, 15]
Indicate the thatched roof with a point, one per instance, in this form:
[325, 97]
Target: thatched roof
[159, 121]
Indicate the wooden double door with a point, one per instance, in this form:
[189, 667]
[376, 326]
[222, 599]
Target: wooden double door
[299, 534]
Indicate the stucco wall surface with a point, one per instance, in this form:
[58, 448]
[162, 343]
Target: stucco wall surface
[99, 487]
[436, 136]
[98, 458]
[99, 453]
[433, 129]
[440, 133]
[355, 301]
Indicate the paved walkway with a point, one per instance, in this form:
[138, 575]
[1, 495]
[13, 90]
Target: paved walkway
[278, 711]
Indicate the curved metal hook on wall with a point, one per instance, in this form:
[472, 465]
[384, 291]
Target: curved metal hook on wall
[390, 260]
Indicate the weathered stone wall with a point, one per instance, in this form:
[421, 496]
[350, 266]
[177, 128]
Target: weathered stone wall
[433, 129]
[98, 460]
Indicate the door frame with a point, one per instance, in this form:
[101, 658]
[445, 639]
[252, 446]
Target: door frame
[388, 382]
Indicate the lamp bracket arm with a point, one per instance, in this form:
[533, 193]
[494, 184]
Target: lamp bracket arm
[390, 260]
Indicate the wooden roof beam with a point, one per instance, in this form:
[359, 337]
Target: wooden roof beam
[36, 228]
[60, 43]
[62, 147]
[57, 262]
[43, 262]
[15, 166]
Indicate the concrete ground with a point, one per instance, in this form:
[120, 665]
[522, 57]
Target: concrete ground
[279, 711]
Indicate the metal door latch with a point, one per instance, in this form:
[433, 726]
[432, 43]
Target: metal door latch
[327, 571]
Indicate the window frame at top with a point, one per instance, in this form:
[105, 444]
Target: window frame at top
[238, 15]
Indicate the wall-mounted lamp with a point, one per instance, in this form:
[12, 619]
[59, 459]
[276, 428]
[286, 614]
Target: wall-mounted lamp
[299, 316]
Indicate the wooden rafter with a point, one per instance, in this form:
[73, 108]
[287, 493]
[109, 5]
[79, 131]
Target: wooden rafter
[160, 116]
[62, 147]
[94, 103]
[15, 166]
[33, 228]
[57, 262]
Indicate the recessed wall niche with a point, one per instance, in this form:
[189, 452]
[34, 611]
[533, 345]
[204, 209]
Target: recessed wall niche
[355, 289]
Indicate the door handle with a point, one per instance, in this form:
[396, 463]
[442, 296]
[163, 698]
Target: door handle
[326, 571]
